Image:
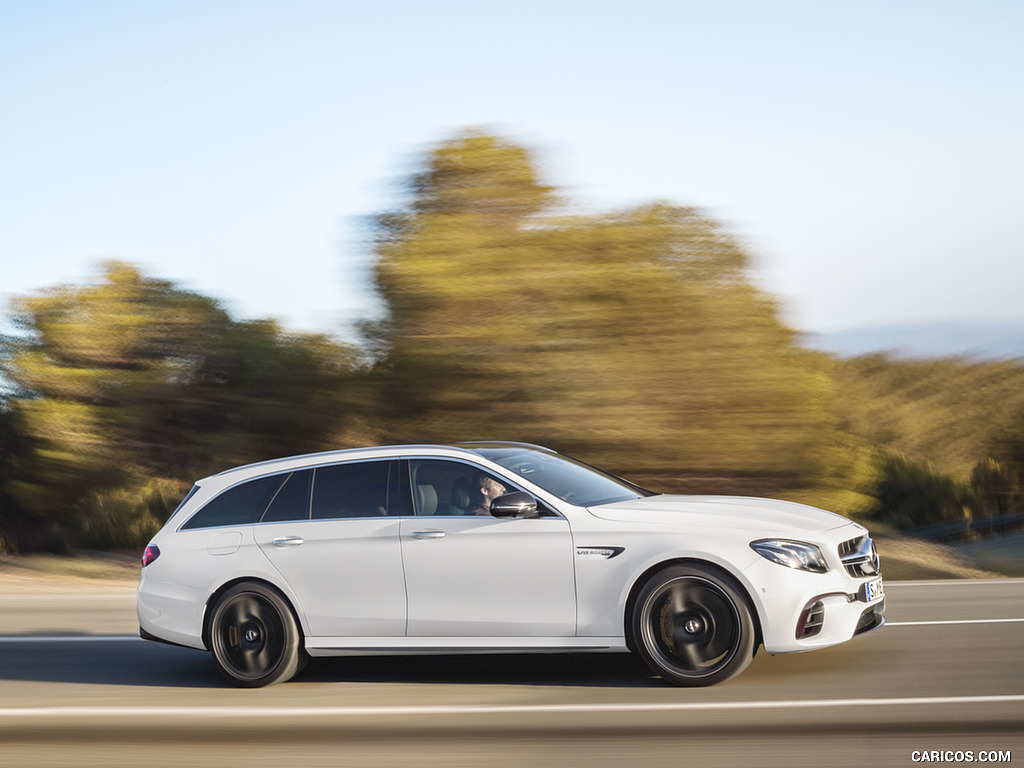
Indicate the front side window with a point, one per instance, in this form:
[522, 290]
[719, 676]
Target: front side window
[451, 488]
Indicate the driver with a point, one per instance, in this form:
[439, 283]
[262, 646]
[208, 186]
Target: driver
[485, 490]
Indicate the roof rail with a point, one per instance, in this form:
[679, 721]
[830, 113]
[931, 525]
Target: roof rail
[501, 444]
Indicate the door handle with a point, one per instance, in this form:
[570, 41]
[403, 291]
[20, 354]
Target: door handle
[428, 534]
[288, 541]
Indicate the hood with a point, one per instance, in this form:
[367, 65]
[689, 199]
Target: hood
[765, 515]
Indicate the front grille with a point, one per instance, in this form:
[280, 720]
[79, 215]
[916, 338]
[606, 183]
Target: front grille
[859, 556]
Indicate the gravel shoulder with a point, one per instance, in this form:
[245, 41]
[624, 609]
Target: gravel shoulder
[81, 572]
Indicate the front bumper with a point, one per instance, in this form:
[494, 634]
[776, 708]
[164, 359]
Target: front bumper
[801, 611]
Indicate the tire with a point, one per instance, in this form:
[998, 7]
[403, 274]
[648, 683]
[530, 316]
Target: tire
[692, 626]
[254, 638]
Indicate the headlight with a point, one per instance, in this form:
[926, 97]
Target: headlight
[792, 554]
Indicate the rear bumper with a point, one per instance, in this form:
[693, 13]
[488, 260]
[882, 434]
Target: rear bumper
[150, 636]
[169, 613]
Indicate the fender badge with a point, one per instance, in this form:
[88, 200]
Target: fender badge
[606, 553]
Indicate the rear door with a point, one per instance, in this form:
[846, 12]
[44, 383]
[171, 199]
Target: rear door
[330, 535]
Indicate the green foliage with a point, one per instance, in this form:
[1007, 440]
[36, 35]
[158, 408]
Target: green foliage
[994, 488]
[125, 518]
[12, 449]
[912, 494]
[1003, 480]
[480, 175]
[633, 337]
[131, 379]
[950, 413]
[957, 427]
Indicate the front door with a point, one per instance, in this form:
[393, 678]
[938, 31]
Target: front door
[473, 575]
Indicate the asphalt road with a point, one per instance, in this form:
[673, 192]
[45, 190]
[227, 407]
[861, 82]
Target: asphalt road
[945, 676]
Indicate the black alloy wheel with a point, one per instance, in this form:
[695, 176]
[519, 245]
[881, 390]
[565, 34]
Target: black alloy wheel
[253, 636]
[692, 626]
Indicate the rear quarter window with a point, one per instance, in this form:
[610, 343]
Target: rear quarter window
[241, 505]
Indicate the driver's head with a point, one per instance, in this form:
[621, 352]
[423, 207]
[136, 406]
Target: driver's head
[490, 488]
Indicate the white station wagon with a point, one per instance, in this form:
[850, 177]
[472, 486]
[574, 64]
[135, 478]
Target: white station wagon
[494, 547]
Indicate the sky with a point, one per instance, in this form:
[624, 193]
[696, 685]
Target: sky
[869, 155]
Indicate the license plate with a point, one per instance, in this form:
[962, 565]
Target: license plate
[873, 590]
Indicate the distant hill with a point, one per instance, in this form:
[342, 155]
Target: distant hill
[983, 341]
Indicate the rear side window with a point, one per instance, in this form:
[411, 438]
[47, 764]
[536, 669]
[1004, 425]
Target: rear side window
[351, 490]
[242, 505]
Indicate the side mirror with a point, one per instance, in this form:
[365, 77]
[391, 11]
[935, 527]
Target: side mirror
[515, 504]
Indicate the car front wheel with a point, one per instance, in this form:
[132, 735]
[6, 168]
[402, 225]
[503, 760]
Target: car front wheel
[253, 636]
[692, 626]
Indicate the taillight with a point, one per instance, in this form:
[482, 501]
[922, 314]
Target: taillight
[151, 554]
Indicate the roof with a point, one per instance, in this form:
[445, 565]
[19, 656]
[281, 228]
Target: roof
[327, 457]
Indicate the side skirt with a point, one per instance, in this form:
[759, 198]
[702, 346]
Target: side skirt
[457, 646]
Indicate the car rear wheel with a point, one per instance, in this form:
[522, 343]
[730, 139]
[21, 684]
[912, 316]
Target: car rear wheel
[253, 636]
[692, 626]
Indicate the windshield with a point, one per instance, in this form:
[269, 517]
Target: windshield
[568, 479]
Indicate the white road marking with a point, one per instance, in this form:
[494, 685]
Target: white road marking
[57, 596]
[952, 621]
[222, 713]
[951, 582]
[66, 638]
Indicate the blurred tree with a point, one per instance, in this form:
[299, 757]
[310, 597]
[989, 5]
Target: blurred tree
[911, 494]
[995, 488]
[949, 413]
[956, 419]
[131, 379]
[13, 447]
[634, 338]
[999, 481]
